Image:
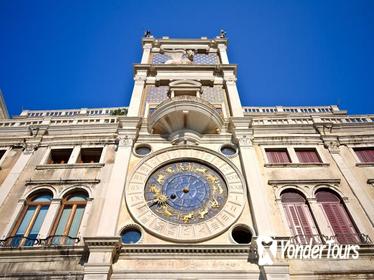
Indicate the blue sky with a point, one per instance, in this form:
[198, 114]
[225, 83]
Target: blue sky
[73, 54]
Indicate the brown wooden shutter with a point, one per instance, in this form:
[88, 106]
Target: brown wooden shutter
[338, 218]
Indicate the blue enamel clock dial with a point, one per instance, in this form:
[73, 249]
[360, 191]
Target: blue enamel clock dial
[185, 192]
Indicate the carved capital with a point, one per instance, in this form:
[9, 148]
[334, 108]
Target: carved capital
[29, 148]
[222, 47]
[245, 141]
[139, 78]
[332, 146]
[126, 140]
[230, 80]
[147, 46]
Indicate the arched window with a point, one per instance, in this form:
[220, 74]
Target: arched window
[299, 217]
[69, 218]
[337, 216]
[31, 219]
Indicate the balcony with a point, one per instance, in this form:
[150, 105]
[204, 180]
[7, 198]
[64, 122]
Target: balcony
[17, 241]
[185, 112]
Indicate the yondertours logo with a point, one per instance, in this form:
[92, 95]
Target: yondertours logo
[267, 249]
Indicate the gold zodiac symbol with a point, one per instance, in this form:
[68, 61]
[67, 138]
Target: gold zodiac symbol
[214, 203]
[186, 218]
[166, 211]
[203, 213]
[161, 178]
[169, 170]
[212, 179]
[184, 166]
[154, 189]
[218, 188]
[201, 170]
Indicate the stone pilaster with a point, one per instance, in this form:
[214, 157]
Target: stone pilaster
[115, 187]
[256, 186]
[233, 94]
[102, 252]
[146, 53]
[357, 189]
[137, 93]
[16, 171]
[275, 272]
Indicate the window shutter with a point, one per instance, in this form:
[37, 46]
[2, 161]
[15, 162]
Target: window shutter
[341, 224]
[277, 156]
[365, 154]
[301, 210]
[300, 221]
[307, 155]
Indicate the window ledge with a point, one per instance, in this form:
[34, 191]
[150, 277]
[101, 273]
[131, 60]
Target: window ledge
[70, 166]
[282, 165]
[365, 164]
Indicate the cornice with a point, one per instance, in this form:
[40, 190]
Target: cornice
[303, 181]
[69, 166]
[153, 68]
[62, 181]
[42, 253]
[183, 250]
[157, 42]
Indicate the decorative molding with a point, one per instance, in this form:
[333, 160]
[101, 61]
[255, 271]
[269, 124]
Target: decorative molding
[69, 166]
[292, 165]
[62, 181]
[104, 241]
[42, 253]
[229, 250]
[365, 164]
[303, 181]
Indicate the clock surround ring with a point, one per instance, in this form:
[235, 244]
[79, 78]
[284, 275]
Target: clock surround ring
[184, 231]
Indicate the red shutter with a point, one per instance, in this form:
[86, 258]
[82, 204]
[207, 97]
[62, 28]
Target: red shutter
[307, 155]
[277, 156]
[338, 218]
[365, 154]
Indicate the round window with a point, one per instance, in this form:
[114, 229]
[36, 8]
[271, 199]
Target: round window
[228, 150]
[241, 234]
[131, 235]
[142, 150]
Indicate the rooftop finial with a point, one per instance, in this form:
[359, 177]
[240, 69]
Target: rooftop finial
[222, 33]
[147, 34]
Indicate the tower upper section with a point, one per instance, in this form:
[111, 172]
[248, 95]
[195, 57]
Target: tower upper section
[185, 84]
[202, 51]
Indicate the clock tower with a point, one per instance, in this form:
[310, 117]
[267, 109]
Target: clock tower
[186, 191]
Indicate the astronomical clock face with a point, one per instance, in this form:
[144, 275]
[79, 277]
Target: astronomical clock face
[181, 199]
[185, 192]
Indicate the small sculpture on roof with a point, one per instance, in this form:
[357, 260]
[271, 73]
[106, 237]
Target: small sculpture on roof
[222, 33]
[147, 34]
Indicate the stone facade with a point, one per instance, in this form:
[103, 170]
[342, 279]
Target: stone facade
[75, 184]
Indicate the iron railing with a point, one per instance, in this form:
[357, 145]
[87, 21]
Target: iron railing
[52, 240]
